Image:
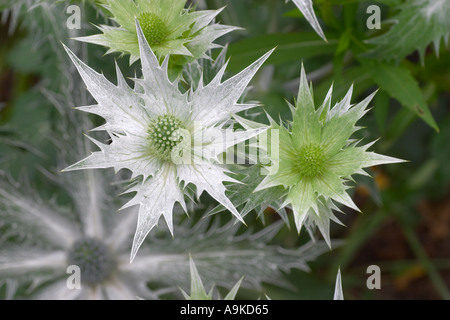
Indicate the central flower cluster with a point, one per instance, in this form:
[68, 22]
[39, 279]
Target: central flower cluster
[93, 258]
[165, 135]
[311, 161]
[153, 27]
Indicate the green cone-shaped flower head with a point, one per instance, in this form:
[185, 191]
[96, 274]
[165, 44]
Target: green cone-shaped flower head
[168, 27]
[316, 157]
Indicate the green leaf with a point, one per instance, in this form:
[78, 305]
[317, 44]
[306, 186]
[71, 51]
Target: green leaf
[398, 82]
[390, 2]
[290, 46]
[294, 13]
[344, 42]
[419, 23]
[381, 110]
[397, 126]
[356, 75]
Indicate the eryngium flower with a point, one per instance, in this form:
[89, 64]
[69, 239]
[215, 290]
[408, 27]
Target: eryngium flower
[40, 240]
[168, 27]
[316, 157]
[50, 241]
[155, 127]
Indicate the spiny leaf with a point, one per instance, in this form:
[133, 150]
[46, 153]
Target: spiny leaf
[419, 23]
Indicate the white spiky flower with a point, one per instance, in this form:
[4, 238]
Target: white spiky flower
[165, 136]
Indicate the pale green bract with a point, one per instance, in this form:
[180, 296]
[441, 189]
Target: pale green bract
[132, 116]
[316, 158]
[338, 292]
[198, 291]
[167, 25]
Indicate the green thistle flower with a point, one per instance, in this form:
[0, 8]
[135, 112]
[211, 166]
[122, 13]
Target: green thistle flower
[168, 27]
[316, 157]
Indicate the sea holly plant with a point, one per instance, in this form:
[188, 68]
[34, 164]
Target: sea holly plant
[43, 243]
[168, 27]
[166, 137]
[317, 158]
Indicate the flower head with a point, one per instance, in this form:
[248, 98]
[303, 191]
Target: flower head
[50, 239]
[316, 157]
[42, 241]
[168, 27]
[165, 136]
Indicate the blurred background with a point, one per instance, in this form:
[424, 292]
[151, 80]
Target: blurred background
[404, 227]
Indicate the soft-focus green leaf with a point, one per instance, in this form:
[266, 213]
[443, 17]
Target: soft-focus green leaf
[381, 109]
[289, 47]
[401, 85]
[344, 42]
[419, 23]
